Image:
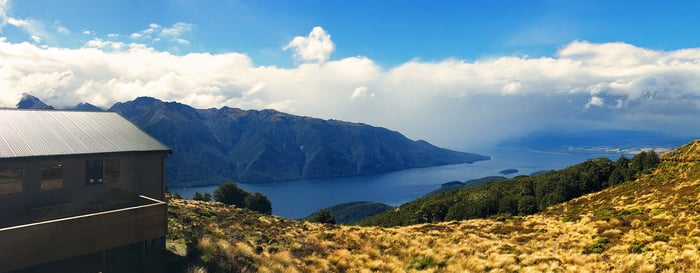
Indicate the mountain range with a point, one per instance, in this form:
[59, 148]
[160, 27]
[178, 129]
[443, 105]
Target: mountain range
[211, 146]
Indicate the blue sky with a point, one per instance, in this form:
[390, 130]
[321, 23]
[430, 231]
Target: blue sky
[389, 32]
[433, 70]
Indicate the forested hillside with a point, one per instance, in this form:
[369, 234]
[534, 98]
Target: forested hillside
[522, 195]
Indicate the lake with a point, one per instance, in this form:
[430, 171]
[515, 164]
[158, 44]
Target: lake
[296, 199]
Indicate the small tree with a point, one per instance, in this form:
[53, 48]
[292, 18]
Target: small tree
[206, 197]
[175, 195]
[198, 196]
[258, 202]
[229, 193]
[323, 216]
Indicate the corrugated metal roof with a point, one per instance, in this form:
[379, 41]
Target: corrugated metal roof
[26, 133]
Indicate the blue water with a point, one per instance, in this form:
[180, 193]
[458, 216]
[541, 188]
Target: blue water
[296, 199]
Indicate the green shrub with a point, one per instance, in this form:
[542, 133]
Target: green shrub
[661, 237]
[571, 218]
[424, 262]
[636, 247]
[597, 247]
[603, 212]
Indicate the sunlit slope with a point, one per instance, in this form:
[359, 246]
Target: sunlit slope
[648, 225]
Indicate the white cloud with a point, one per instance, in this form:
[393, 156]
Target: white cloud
[361, 92]
[595, 101]
[104, 44]
[182, 41]
[147, 33]
[176, 30]
[452, 102]
[512, 87]
[156, 33]
[315, 47]
[4, 4]
[34, 29]
[18, 22]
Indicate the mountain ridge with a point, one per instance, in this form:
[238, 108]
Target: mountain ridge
[267, 145]
[211, 146]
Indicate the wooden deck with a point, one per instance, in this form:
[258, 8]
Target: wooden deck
[53, 240]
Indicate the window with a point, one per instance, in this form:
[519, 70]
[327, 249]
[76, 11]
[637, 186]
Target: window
[99, 171]
[94, 171]
[51, 175]
[10, 179]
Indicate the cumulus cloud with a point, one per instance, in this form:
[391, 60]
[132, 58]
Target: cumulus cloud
[315, 47]
[452, 102]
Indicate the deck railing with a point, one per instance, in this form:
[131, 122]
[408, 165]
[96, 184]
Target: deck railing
[31, 244]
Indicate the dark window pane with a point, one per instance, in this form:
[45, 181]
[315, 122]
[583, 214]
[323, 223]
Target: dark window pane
[10, 179]
[94, 171]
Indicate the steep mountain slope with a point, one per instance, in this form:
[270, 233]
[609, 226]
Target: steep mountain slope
[212, 145]
[31, 102]
[647, 225]
[84, 106]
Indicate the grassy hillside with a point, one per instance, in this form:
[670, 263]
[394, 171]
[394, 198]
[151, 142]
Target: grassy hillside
[647, 225]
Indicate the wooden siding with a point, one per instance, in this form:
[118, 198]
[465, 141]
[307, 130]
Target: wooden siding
[27, 245]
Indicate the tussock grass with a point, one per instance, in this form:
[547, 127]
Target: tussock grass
[647, 225]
